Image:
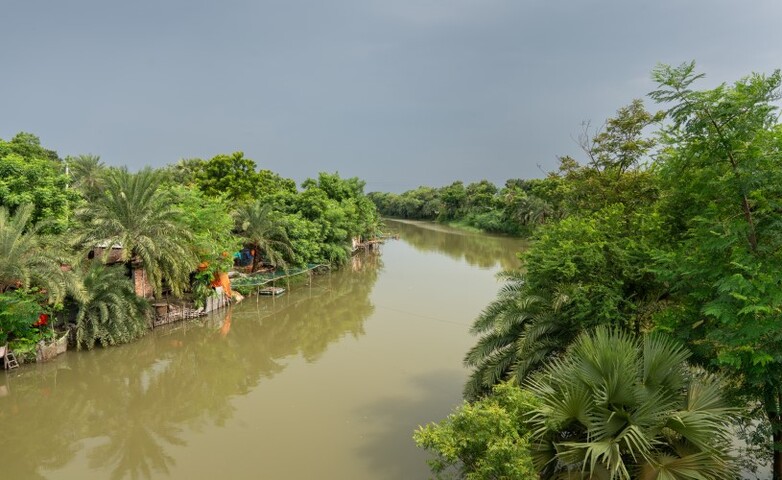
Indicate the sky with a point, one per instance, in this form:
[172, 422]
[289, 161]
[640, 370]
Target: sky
[400, 93]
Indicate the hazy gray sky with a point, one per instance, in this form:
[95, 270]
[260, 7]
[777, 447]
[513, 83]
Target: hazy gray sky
[398, 92]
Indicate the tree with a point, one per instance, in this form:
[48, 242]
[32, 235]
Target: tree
[723, 188]
[132, 213]
[25, 261]
[233, 176]
[453, 197]
[621, 145]
[519, 331]
[87, 172]
[209, 220]
[110, 313]
[31, 174]
[480, 196]
[485, 440]
[620, 407]
[259, 226]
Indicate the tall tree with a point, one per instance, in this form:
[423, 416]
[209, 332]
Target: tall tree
[132, 213]
[233, 176]
[32, 174]
[87, 174]
[722, 175]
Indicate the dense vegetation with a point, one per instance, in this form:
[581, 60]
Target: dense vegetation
[669, 227]
[88, 246]
[514, 209]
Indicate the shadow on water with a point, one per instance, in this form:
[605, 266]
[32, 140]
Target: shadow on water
[434, 394]
[127, 407]
[477, 249]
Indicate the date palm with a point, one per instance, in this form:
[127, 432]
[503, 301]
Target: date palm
[24, 259]
[132, 213]
[87, 172]
[258, 227]
[110, 312]
[519, 331]
[617, 407]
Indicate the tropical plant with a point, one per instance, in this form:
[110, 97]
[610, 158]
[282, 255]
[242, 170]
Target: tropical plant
[87, 173]
[519, 331]
[24, 259]
[259, 226]
[110, 313]
[616, 406]
[485, 440]
[133, 214]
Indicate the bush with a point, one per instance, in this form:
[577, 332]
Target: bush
[483, 440]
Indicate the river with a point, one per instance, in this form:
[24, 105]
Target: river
[327, 381]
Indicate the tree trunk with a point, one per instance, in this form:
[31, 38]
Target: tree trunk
[777, 436]
[773, 402]
[256, 256]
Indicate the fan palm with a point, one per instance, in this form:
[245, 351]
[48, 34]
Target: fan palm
[619, 407]
[519, 331]
[258, 227]
[131, 213]
[111, 312]
[25, 261]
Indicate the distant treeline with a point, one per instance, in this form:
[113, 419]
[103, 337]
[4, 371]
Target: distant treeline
[514, 209]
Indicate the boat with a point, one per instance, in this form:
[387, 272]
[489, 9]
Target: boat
[273, 291]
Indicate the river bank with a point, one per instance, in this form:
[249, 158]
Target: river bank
[346, 367]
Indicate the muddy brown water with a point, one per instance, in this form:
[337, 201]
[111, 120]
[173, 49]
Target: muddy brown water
[325, 382]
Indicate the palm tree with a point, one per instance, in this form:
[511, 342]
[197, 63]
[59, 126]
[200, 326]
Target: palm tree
[259, 228]
[616, 406]
[519, 330]
[111, 312]
[24, 259]
[132, 213]
[87, 172]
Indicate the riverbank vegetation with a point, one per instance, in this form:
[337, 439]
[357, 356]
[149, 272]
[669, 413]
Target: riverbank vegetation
[668, 228]
[514, 209]
[89, 247]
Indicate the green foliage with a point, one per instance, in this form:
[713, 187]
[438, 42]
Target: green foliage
[31, 174]
[25, 260]
[622, 145]
[261, 228]
[87, 175]
[133, 213]
[19, 309]
[327, 215]
[519, 331]
[606, 256]
[111, 313]
[209, 221]
[722, 181]
[620, 407]
[484, 440]
[231, 176]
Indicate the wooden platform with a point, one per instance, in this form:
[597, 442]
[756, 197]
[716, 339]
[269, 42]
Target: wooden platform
[273, 291]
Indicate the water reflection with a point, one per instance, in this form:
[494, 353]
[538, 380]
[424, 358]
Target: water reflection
[128, 408]
[481, 250]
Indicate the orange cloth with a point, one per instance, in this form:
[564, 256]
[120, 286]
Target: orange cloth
[221, 280]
